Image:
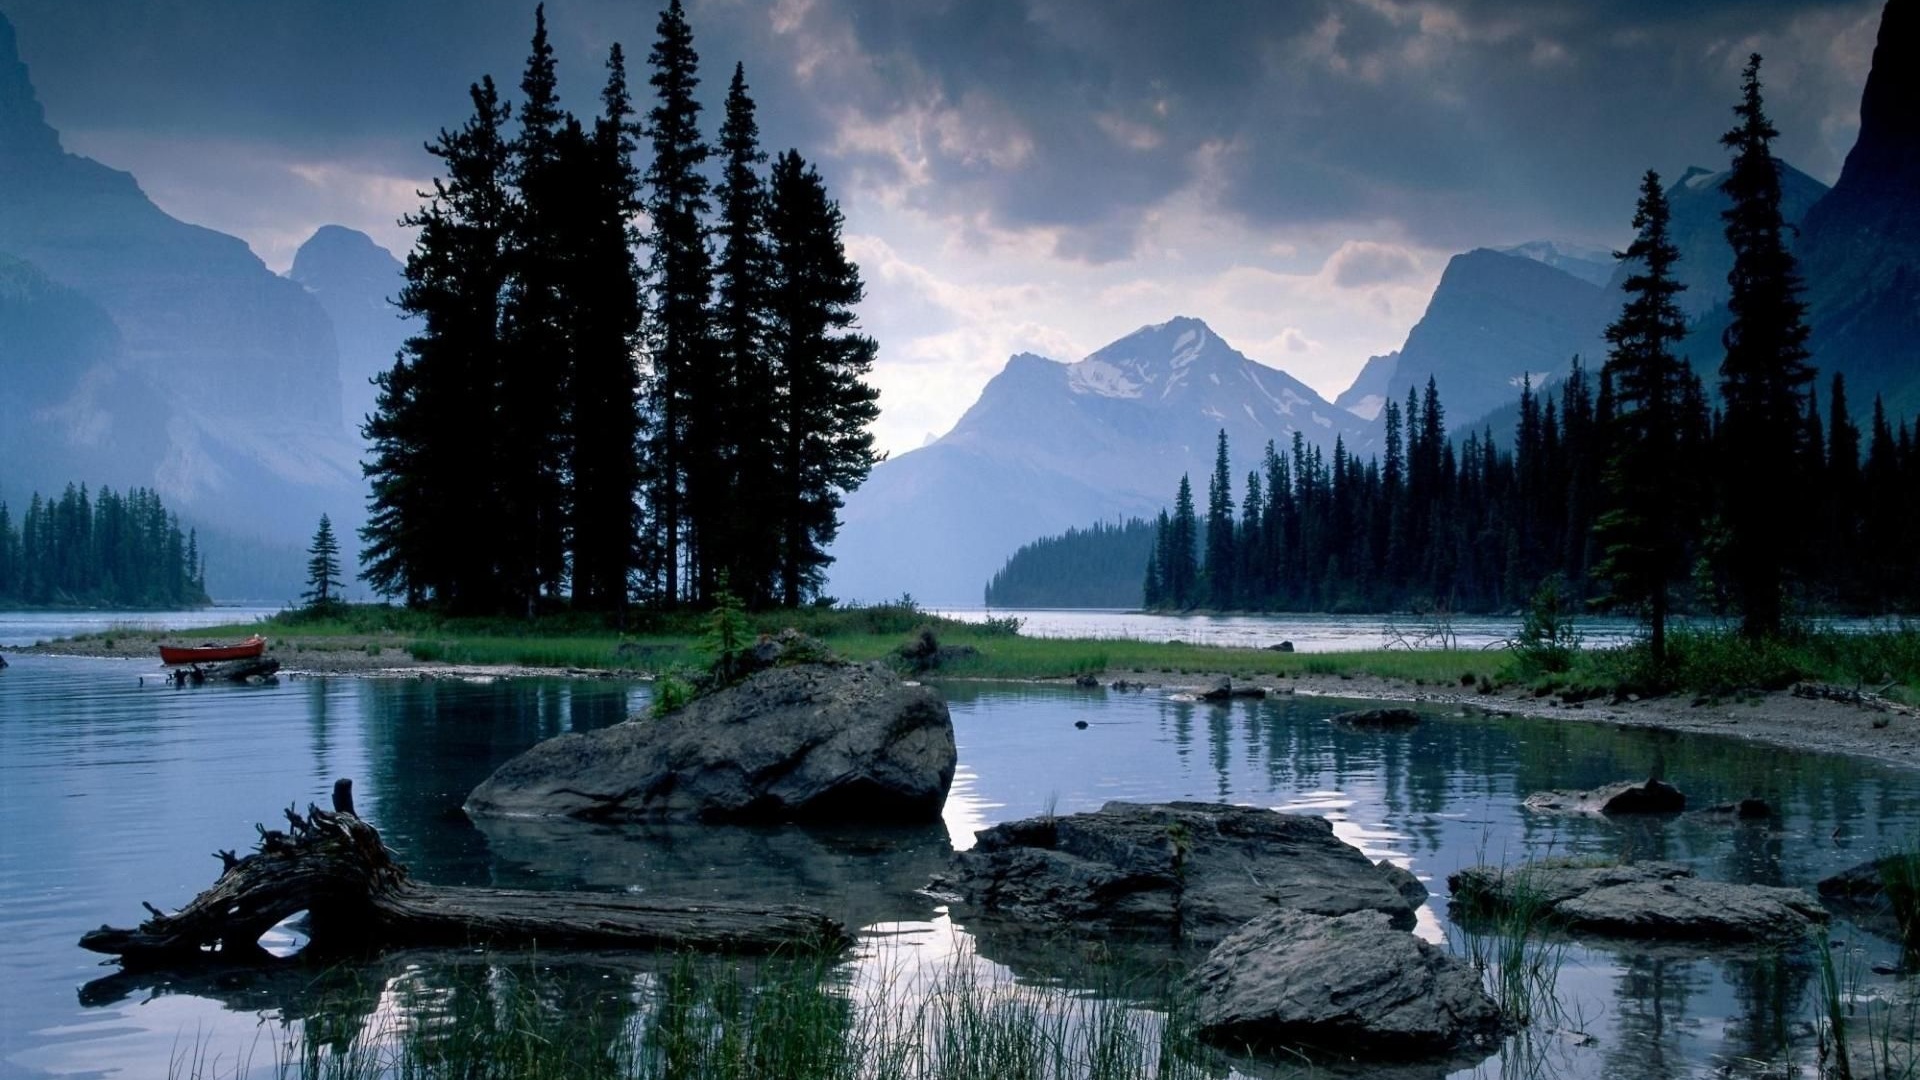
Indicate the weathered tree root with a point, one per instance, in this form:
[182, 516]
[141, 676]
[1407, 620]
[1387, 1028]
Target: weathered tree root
[333, 865]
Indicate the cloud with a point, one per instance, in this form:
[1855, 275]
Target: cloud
[1359, 263]
[1016, 174]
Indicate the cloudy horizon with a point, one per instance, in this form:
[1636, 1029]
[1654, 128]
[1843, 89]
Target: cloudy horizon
[1040, 176]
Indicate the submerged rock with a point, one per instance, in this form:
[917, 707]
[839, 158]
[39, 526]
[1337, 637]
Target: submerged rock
[1378, 719]
[1869, 879]
[1739, 810]
[1653, 900]
[1352, 985]
[1193, 871]
[814, 742]
[1651, 797]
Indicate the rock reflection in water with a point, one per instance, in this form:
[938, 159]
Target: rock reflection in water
[861, 875]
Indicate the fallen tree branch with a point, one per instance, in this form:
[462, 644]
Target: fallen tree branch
[334, 866]
[1865, 699]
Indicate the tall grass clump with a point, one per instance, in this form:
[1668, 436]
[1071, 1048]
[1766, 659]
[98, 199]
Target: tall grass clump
[1508, 939]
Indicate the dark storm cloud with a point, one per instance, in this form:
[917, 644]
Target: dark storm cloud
[1458, 121]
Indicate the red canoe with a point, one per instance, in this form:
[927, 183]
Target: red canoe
[208, 654]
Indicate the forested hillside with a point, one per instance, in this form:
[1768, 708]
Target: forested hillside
[1095, 567]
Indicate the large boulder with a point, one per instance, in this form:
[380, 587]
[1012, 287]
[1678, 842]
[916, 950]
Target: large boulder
[1652, 900]
[1190, 871]
[1353, 986]
[1650, 797]
[814, 742]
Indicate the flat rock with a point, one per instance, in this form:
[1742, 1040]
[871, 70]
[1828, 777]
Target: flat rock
[1353, 985]
[813, 742]
[1649, 797]
[1653, 900]
[1378, 719]
[1193, 871]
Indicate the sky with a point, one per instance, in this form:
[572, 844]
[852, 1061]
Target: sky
[1017, 175]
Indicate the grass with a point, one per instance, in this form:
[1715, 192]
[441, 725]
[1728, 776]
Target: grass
[664, 643]
[799, 1018]
[1711, 664]
[1717, 664]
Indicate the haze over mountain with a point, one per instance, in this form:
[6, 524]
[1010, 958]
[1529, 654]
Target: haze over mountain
[1367, 394]
[166, 355]
[355, 280]
[1494, 319]
[1050, 445]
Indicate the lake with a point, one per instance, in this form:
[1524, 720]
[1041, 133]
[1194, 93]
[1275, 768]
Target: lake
[113, 793]
[1316, 633]
[29, 627]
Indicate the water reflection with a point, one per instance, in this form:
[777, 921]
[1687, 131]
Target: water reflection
[111, 794]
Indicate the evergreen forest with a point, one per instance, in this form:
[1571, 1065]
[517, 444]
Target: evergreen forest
[638, 377]
[1096, 567]
[102, 550]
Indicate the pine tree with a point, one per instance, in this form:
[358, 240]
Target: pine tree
[9, 558]
[682, 410]
[604, 295]
[323, 566]
[1154, 592]
[1180, 567]
[820, 364]
[742, 358]
[1765, 372]
[1221, 558]
[1644, 528]
[429, 529]
[534, 379]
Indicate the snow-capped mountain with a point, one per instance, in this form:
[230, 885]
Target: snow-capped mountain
[1590, 264]
[1050, 445]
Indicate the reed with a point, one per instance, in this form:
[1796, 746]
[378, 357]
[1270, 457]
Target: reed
[792, 1018]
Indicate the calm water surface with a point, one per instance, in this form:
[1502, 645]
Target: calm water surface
[112, 793]
[28, 627]
[1310, 633]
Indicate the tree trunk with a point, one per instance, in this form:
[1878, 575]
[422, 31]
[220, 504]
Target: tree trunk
[333, 866]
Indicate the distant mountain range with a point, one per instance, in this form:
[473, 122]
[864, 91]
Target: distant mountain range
[141, 350]
[1050, 445]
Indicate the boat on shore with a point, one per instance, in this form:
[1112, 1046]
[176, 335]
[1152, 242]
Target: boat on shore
[211, 653]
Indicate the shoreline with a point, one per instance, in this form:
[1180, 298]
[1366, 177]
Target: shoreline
[1889, 736]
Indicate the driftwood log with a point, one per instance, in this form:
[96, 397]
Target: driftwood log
[333, 865]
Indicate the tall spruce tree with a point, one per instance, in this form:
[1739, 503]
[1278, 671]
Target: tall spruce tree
[752, 538]
[682, 409]
[323, 566]
[1764, 376]
[1644, 529]
[430, 524]
[1180, 565]
[820, 362]
[1221, 559]
[603, 291]
[536, 374]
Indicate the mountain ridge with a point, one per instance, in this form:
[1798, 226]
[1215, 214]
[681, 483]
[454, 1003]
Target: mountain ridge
[1050, 444]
